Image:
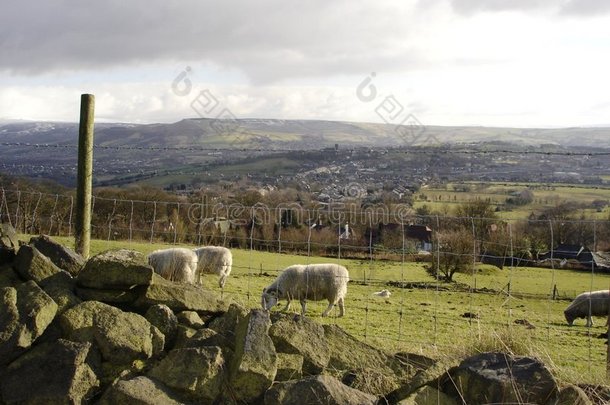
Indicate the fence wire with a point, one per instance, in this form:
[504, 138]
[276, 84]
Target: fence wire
[423, 311]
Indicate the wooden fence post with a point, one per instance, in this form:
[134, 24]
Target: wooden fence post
[608, 347]
[84, 175]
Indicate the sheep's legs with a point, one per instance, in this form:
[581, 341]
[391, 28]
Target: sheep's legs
[332, 304]
[222, 281]
[589, 322]
[287, 307]
[341, 307]
[330, 307]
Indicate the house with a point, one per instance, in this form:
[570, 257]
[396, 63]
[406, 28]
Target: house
[565, 251]
[344, 231]
[582, 254]
[420, 234]
[500, 260]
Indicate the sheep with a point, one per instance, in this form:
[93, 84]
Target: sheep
[382, 294]
[587, 304]
[175, 264]
[214, 259]
[315, 282]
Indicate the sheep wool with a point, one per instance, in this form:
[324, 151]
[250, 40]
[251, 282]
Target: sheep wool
[587, 304]
[175, 264]
[314, 282]
[214, 260]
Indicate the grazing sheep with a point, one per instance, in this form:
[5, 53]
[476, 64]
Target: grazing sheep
[175, 264]
[587, 304]
[314, 282]
[215, 259]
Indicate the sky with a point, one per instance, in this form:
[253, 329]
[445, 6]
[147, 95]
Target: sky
[511, 63]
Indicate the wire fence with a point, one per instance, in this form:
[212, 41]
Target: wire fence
[385, 247]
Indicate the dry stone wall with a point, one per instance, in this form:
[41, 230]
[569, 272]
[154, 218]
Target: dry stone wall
[110, 331]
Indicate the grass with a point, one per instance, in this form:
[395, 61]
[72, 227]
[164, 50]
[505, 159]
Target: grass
[497, 193]
[430, 321]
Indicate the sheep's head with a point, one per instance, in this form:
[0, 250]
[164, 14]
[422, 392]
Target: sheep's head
[569, 317]
[269, 299]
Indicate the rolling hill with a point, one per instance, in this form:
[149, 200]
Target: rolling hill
[128, 153]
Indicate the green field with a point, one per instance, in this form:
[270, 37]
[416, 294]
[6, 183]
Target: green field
[428, 319]
[450, 196]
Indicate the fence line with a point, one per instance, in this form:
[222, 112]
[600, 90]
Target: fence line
[267, 229]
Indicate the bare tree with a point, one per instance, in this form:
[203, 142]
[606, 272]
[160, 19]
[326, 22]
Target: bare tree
[453, 252]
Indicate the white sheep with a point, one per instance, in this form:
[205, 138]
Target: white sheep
[214, 259]
[315, 282]
[175, 264]
[587, 304]
[382, 294]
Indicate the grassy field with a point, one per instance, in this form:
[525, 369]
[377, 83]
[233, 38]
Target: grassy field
[429, 319]
[544, 197]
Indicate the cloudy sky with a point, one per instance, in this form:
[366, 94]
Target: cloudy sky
[542, 63]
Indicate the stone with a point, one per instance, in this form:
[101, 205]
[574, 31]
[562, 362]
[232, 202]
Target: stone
[8, 236]
[138, 391]
[295, 334]
[572, 395]
[8, 244]
[60, 287]
[368, 369]
[289, 367]
[33, 265]
[417, 361]
[254, 364]
[52, 373]
[114, 296]
[116, 269]
[190, 319]
[208, 337]
[162, 317]
[121, 337]
[183, 335]
[198, 373]
[9, 319]
[427, 395]
[226, 325]
[7, 255]
[424, 374]
[77, 322]
[124, 337]
[319, 389]
[36, 310]
[158, 341]
[25, 313]
[8, 277]
[62, 256]
[500, 377]
[180, 297]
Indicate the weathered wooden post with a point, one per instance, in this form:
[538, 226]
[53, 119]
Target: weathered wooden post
[84, 175]
[608, 347]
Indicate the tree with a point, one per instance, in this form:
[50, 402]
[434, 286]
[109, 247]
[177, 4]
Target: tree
[525, 197]
[480, 213]
[452, 253]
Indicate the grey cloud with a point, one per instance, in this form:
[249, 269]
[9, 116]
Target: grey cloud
[560, 7]
[268, 40]
[586, 7]
[473, 6]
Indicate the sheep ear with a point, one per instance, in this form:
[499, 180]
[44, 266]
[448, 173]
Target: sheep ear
[265, 290]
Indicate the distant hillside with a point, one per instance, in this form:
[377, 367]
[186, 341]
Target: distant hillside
[266, 150]
[294, 134]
